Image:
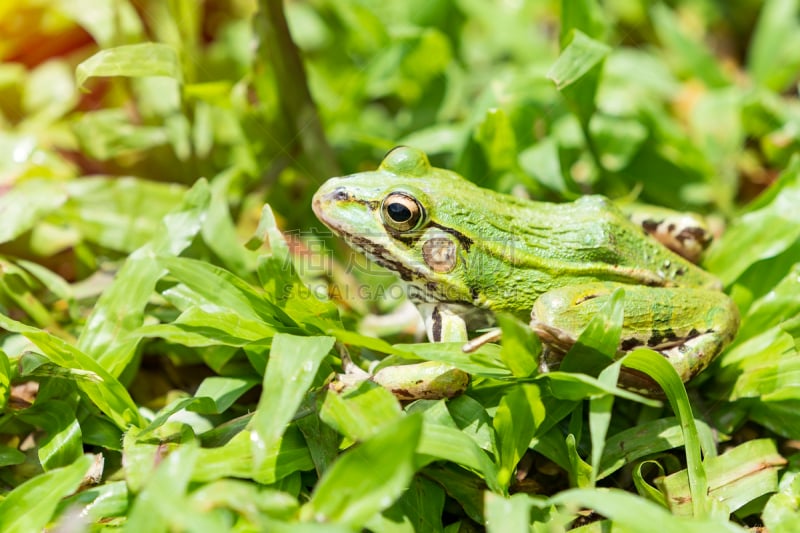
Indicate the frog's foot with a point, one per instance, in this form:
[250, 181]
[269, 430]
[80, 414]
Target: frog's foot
[556, 338]
[430, 380]
[353, 374]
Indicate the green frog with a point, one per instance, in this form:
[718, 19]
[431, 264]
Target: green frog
[466, 253]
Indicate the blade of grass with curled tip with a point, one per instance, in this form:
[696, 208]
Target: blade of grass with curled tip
[738, 476]
[635, 513]
[657, 367]
[644, 439]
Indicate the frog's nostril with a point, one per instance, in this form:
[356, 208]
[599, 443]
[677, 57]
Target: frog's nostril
[339, 194]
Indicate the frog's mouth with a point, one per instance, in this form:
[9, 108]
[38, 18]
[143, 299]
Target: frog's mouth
[378, 253]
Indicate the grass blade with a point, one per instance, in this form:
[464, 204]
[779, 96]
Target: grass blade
[368, 478]
[292, 365]
[30, 506]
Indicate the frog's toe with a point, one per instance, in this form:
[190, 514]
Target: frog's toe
[557, 338]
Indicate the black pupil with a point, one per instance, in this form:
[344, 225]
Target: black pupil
[398, 212]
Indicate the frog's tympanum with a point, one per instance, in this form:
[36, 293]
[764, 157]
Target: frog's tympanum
[467, 252]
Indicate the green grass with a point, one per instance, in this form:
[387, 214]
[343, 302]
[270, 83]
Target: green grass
[168, 341]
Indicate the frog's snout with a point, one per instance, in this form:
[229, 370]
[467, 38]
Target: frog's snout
[319, 201]
[315, 204]
[327, 197]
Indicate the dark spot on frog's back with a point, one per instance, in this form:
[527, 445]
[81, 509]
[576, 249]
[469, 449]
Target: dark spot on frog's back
[655, 339]
[697, 234]
[650, 225]
[630, 344]
[659, 337]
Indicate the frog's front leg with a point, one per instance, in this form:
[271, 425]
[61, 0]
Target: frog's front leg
[689, 326]
[431, 379]
[443, 323]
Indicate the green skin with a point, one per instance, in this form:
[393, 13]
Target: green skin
[474, 251]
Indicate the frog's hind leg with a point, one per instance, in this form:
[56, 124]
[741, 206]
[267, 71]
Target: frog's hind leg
[689, 326]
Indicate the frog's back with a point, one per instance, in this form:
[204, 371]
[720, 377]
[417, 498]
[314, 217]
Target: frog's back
[552, 245]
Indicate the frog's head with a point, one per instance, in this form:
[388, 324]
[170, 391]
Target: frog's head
[390, 215]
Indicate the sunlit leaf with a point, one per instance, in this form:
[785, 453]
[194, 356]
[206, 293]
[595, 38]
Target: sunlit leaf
[581, 55]
[27, 204]
[30, 506]
[515, 423]
[102, 388]
[773, 59]
[292, 365]
[691, 55]
[368, 478]
[107, 335]
[133, 60]
[63, 444]
[360, 413]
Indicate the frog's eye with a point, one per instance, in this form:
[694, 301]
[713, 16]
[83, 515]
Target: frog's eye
[401, 212]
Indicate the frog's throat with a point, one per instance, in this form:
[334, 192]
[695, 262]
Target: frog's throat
[417, 279]
[378, 253]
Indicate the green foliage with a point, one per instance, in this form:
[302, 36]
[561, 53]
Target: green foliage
[168, 341]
